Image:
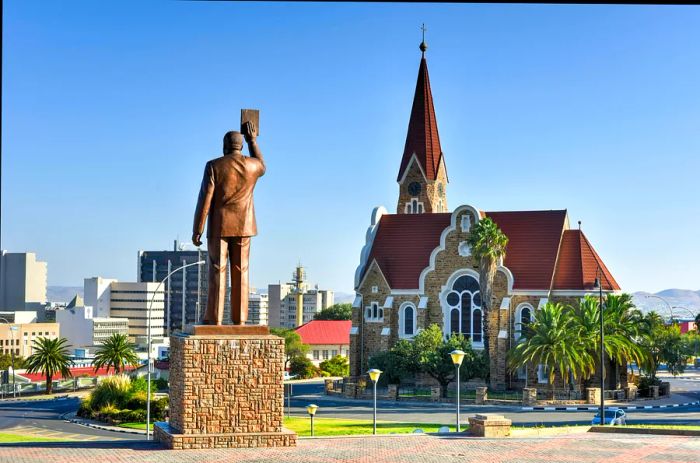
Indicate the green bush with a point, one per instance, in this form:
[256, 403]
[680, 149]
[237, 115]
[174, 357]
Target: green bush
[137, 401]
[159, 409]
[645, 382]
[134, 416]
[303, 368]
[161, 383]
[113, 390]
[337, 366]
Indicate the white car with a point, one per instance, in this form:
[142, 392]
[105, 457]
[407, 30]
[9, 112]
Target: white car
[287, 376]
[613, 416]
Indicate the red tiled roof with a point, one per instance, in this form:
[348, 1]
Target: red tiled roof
[533, 241]
[422, 137]
[578, 264]
[403, 245]
[79, 371]
[325, 332]
[404, 242]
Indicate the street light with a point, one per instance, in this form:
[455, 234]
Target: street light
[457, 357]
[311, 410]
[148, 342]
[374, 376]
[598, 285]
[13, 328]
[670, 308]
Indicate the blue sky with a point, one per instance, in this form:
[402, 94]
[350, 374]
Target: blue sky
[110, 111]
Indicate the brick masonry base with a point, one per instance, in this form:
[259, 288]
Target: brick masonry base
[226, 391]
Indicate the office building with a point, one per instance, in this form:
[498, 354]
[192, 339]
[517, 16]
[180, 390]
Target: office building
[257, 309]
[20, 337]
[22, 282]
[131, 301]
[314, 301]
[96, 292]
[181, 308]
[275, 295]
[82, 329]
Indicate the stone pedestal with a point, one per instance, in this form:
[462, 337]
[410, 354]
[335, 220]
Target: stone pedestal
[593, 395]
[654, 392]
[489, 425]
[665, 389]
[435, 393]
[631, 392]
[226, 390]
[529, 396]
[481, 395]
[392, 391]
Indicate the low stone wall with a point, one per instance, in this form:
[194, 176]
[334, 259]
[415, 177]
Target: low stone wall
[489, 425]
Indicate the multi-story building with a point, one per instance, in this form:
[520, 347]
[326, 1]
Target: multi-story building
[19, 316]
[257, 309]
[82, 329]
[132, 301]
[20, 337]
[186, 307]
[96, 294]
[22, 282]
[315, 300]
[275, 295]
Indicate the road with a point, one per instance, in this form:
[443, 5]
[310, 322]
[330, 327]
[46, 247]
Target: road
[43, 418]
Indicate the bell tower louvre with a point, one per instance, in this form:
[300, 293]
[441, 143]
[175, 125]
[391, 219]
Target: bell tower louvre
[422, 176]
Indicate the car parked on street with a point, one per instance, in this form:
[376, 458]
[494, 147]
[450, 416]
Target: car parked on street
[613, 416]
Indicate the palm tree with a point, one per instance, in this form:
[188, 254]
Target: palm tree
[488, 246]
[551, 340]
[116, 352]
[50, 357]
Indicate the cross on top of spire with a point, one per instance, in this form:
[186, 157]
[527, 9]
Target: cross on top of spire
[423, 46]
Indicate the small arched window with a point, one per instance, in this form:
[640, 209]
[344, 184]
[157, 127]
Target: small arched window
[407, 320]
[523, 316]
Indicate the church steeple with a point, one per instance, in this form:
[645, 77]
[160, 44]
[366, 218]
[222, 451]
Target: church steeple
[422, 176]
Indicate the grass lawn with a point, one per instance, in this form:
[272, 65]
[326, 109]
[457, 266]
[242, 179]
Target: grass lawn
[687, 427]
[343, 427]
[7, 438]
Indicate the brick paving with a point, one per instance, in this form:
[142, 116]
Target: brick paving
[618, 448]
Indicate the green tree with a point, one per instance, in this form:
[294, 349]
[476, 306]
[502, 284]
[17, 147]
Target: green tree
[336, 366]
[651, 330]
[551, 340]
[293, 346]
[49, 358]
[6, 362]
[697, 322]
[335, 312]
[433, 356]
[488, 246]
[674, 349]
[397, 364]
[116, 352]
[302, 368]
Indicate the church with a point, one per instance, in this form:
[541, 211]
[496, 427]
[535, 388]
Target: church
[416, 268]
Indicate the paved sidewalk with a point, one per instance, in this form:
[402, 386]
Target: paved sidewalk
[384, 449]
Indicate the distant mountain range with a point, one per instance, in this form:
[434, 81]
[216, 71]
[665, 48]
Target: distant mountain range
[684, 302]
[676, 297]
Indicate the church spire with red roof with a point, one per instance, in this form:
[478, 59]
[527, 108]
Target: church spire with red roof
[422, 176]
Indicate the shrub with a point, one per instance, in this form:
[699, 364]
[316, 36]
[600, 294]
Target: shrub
[159, 409]
[134, 416]
[303, 368]
[113, 390]
[337, 366]
[137, 401]
[161, 383]
[85, 409]
[645, 382]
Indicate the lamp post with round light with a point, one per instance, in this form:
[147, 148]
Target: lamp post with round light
[374, 376]
[457, 357]
[311, 410]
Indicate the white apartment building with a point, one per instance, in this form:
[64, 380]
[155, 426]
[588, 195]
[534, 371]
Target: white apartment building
[22, 282]
[96, 294]
[275, 295]
[131, 301]
[82, 329]
[257, 309]
[315, 300]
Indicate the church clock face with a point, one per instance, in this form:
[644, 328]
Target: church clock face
[414, 188]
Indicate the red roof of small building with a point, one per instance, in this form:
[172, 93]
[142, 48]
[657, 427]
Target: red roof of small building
[78, 371]
[404, 242]
[325, 332]
[422, 138]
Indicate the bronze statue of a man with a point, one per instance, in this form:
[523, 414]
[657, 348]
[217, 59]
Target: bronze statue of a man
[226, 196]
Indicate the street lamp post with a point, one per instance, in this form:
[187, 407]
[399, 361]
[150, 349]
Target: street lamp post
[311, 410]
[12, 355]
[670, 307]
[457, 357]
[148, 343]
[599, 286]
[374, 376]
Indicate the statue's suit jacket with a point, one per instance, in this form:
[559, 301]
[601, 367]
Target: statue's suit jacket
[226, 195]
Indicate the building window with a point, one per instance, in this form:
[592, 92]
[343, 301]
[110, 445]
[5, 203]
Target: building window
[334, 353]
[464, 305]
[523, 316]
[316, 355]
[374, 313]
[325, 355]
[407, 320]
[521, 372]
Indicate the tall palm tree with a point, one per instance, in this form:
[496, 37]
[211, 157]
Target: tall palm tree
[116, 352]
[550, 339]
[488, 246]
[50, 357]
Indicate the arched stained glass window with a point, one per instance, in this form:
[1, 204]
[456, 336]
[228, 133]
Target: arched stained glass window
[477, 326]
[466, 314]
[454, 321]
[408, 320]
[463, 302]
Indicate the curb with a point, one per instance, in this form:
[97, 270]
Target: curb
[596, 408]
[652, 431]
[106, 428]
[28, 400]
